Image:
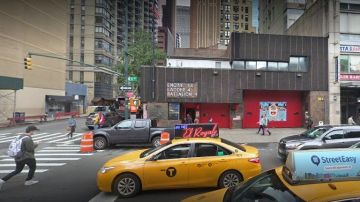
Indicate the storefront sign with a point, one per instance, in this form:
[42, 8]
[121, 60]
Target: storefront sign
[349, 49]
[274, 111]
[182, 90]
[350, 77]
[196, 130]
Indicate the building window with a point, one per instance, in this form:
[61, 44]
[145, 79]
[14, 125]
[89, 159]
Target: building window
[226, 41]
[246, 9]
[71, 41]
[242, 17]
[218, 65]
[242, 25]
[174, 111]
[72, 28]
[82, 8]
[246, 26]
[251, 65]
[82, 27]
[236, 26]
[82, 77]
[246, 19]
[283, 66]
[82, 2]
[227, 34]
[82, 18]
[227, 17]
[260, 65]
[71, 18]
[272, 66]
[236, 9]
[238, 65]
[236, 17]
[82, 58]
[70, 75]
[350, 64]
[227, 25]
[82, 42]
[227, 8]
[242, 9]
[298, 64]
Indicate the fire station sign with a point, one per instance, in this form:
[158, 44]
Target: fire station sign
[182, 90]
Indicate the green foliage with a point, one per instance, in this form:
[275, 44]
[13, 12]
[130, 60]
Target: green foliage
[140, 52]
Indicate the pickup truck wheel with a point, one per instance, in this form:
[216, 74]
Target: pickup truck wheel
[100, 143]
[156, 141]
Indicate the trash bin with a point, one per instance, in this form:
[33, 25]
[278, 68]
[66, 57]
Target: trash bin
[19, 117]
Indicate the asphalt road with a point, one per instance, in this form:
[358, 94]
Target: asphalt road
[75, 179]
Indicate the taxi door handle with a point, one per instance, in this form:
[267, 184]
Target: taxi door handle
[162, 170]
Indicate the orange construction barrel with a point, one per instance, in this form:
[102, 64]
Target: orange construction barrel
[87, 143]
[164, 138]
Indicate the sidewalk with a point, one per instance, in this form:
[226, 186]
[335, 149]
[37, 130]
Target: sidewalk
[250, 136]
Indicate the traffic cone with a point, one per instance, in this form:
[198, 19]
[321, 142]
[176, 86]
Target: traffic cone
[165, 137]
[87, 143]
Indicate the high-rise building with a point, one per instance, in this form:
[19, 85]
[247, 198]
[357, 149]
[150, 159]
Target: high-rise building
[236, 16]
[276, 16]
[96, 38]
[212, 21]
[182, 27]
[32, 27]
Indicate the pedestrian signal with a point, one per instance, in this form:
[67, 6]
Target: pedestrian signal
[28, 63]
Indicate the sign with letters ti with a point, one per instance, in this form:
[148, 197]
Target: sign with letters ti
[182, 90]
[196, 130]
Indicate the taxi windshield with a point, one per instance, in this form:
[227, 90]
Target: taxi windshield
[264, 187]
[152, 150]
[315, 132]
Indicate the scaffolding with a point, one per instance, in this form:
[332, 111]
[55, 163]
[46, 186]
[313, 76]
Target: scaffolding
[8, 88]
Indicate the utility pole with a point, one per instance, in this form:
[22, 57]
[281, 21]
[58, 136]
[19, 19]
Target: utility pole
[153, 52]
[126, 59]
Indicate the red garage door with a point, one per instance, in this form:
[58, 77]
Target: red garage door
[220, 113]
[289, 102]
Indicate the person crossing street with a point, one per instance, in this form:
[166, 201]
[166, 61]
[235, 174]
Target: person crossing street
[25, 156]
[72, 126]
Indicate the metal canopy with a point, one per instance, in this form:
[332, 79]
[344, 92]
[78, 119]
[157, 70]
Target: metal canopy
[11, 83]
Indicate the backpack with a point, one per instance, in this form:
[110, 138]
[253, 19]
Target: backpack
[15, 147]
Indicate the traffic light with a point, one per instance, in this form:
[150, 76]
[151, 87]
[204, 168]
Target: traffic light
[28, 63]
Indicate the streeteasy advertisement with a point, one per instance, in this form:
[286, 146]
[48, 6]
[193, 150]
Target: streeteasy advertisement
[326, 165]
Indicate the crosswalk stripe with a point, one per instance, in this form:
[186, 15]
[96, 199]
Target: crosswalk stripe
[45, 136]
[65, 138]
[38, 164]
[46, 159]
[66, 145]
[62, 148]
[25, 171]
[58, 154]
[58, 150]
[8, 139]
[5, 133]
[73, 140]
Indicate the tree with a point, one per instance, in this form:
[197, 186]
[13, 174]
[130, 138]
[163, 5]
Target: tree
[140, 52]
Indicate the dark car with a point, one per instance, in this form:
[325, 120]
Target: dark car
[130, 132]
[320, 137]
[111, 117]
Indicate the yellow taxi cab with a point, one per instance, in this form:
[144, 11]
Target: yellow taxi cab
[181, 163]
[308, 175]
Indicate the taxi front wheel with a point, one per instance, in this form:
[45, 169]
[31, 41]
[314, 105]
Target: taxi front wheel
[229, 179]
[127, 185]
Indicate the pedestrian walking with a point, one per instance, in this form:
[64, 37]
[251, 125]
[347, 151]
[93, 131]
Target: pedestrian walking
[308, 121]
[261, 124]
[351, 121]
[210, 120]
[22, 148]
[189, 120]
[97, 121]
[71, 126]
[265, 125]
[102, 120]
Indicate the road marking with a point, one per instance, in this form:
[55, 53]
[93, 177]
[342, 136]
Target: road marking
[24, 171]
[38, 164]
[104, 197]
[73, 140]
[9, 139]
[66, 138]
[47, 159]
[5, 133]
[45, 136]
[66, 145]
[60, 150]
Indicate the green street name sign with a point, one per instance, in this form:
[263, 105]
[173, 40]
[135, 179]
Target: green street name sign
[132, 78]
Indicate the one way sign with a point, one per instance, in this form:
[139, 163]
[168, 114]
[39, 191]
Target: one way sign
[125, 88]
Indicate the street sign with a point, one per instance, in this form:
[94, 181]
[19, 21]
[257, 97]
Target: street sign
[125, 88]
[133, 78]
